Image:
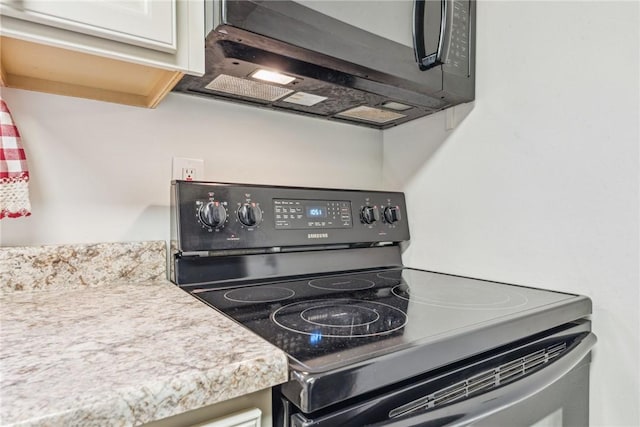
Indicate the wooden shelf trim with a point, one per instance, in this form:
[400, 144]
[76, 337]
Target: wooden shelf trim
[32, 66]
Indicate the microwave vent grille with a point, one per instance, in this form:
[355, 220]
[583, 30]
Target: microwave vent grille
[376, 115]
[247, 88]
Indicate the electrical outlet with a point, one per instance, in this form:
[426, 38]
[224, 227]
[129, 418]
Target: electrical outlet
[188, 169]
[188, 174]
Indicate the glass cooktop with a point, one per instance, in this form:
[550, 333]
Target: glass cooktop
[330, 321]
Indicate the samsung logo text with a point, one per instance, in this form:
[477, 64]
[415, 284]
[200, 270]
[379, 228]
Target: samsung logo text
[317, 236]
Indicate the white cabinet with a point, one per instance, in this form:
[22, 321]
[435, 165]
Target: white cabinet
[250, 410]
[125, 51]
[147, 23]
[246, 418]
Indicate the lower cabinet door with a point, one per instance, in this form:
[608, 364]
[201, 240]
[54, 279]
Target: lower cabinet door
[248, 418]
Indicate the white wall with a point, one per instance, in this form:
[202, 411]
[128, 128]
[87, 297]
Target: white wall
[539, 184]
[101, 172]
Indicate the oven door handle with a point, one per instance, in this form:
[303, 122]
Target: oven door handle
[476, 408]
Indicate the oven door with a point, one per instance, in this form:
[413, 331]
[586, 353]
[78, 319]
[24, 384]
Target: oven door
[531, 403]
[540, 383]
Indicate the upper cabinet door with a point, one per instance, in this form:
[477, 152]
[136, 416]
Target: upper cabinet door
[146, 23]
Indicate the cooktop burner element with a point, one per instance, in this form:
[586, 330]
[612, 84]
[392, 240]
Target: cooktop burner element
[442, 291]
[394, 276]
[340, 318]
[342, 284]
[259, 294]
[470, 299]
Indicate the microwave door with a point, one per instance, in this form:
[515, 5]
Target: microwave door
[390, 19]
[373, 37]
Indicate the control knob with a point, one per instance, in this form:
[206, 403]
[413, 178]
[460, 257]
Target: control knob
[369, 214]
[249, 214]
[391, 214]
[213, 214]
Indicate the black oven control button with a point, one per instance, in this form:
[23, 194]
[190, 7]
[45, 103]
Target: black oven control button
[369, 214]
[392, 214]
[213, 214]
[250, 214]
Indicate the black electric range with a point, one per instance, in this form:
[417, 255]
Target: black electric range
[318, 273]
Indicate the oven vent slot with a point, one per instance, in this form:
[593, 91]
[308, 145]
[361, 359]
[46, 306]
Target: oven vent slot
[483, 381]
[449, 394]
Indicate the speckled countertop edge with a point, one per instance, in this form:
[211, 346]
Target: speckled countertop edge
[92, 335]
[77, 266]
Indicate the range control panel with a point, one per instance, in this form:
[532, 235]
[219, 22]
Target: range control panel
[208, 216]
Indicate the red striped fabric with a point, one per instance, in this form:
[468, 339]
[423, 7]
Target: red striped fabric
[14, 172]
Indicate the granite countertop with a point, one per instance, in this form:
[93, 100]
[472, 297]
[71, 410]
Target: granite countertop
[120, 347]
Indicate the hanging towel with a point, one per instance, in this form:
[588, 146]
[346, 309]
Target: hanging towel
[14, 174]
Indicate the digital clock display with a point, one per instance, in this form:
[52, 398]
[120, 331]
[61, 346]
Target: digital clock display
[316, 212]
[306, 214]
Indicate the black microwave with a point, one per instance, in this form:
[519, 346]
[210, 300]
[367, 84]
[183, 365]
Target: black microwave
[377, 63]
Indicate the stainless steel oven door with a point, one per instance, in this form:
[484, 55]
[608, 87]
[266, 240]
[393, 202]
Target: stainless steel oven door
[552, 398]
[541, 383]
